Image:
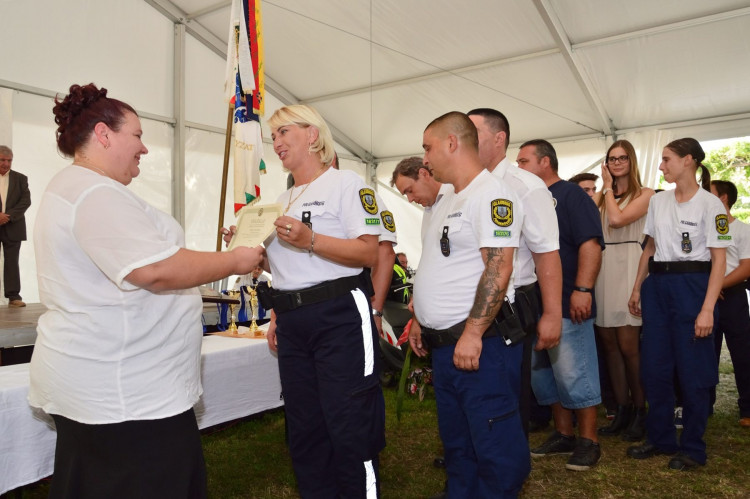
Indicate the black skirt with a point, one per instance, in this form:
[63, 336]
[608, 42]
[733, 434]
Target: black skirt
[160, 458]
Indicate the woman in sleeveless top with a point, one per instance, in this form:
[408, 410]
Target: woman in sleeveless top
[623, 203]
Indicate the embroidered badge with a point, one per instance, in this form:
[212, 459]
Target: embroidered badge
[502, 212]
[367, 196]
[372, 221]
[388, 221]
[722, 224]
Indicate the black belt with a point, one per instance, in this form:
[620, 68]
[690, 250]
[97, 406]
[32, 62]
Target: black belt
[435, 338]
[284, 301]
[621, 242]
[678, 267]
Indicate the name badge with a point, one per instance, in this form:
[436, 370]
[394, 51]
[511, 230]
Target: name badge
[687, 244]
[445, 243]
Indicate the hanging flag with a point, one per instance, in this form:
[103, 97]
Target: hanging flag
[244, 78]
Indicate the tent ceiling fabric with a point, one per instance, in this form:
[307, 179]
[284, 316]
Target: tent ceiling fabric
[380, 70]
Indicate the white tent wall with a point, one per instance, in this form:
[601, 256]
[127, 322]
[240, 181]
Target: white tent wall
[385, 72]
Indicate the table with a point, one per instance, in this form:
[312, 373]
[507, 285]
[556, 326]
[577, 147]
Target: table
[240, 377]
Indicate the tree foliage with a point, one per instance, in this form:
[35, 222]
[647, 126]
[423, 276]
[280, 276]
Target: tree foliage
[732, 163]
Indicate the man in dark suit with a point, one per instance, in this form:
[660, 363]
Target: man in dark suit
[15, 199]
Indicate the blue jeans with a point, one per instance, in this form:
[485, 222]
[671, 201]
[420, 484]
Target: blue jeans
[568, 373]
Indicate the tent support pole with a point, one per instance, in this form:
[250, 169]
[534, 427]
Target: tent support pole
[224, 176]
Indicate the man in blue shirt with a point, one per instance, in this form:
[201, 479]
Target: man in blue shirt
[567, 376]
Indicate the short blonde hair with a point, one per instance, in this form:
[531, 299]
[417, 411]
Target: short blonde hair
[305, 116]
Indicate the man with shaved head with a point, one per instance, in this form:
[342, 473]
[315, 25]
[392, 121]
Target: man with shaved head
[468, 323]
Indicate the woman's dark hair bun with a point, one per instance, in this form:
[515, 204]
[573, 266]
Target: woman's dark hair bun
[78, 98]
[79, 112]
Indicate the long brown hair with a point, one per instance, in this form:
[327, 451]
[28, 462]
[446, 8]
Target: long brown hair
[634, 177]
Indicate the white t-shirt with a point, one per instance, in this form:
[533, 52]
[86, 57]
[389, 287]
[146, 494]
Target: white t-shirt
[387, 222]
[107, 351]
[686, 231]
[740, 247]
[483, 215]
[539, 232]
[341, 206]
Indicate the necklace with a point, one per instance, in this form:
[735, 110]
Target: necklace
[292, 201]
[92, 167]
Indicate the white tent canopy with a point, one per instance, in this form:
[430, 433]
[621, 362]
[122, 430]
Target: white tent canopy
[577, 73]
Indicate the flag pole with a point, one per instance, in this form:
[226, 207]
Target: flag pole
[224, 176]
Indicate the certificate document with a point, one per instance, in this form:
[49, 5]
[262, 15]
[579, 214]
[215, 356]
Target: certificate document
[255, 225]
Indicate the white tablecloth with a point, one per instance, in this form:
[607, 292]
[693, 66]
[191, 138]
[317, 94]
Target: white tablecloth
[240, 377]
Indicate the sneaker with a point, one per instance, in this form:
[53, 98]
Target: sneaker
[678, 418]
[556, 443]
[585, 455]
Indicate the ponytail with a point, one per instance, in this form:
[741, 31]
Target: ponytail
[705, 177]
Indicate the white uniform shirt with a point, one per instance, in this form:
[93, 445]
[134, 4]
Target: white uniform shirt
[695, 225]
[387, 222]
[740, 247]
[539, 232]
[107, 351]
[445, 287]
[341, 206]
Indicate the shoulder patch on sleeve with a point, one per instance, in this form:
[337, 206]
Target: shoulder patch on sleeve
[722, 224]
[388, 221]
[369, 203]
[502, 212]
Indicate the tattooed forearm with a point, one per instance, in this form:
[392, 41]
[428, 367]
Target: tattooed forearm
[492, 285]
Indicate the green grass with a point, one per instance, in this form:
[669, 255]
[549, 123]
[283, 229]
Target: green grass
[249, 459]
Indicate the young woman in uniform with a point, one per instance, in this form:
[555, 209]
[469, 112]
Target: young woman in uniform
[623, 202]
[684, 260]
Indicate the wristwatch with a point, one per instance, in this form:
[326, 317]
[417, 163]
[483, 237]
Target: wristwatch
[605, 190]
[582, 289]
[377, 313]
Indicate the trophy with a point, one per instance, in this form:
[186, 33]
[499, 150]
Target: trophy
[232, 324]
[255, 331]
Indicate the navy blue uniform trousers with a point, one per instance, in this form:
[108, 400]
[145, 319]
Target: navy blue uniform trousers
[329, 369]
[670, 303]
[734, 324]
[486, 451]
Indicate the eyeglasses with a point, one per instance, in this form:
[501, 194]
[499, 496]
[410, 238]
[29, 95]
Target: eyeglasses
[620, 159]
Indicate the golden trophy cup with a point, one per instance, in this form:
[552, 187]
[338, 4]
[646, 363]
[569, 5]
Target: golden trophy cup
[255, 331]
[232, 323]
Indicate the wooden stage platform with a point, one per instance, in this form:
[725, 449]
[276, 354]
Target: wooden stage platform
[18, 325]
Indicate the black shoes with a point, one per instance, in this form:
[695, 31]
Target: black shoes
[645, 451]
[636, 431]
[683, 462]
[586, 454]
[557, 443]
[619, 423]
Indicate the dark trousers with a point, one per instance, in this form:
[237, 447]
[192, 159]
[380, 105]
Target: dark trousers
[11, 274]
[486, 452]
[148, 459]
[734, 324]
[670, 304]
[329, 369]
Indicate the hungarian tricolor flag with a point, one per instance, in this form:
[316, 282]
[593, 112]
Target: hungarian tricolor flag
[243, 85]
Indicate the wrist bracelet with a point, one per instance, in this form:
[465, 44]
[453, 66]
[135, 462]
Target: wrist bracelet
[312, 243]
[582, 289]
[377, 313]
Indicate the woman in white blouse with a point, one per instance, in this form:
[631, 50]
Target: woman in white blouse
[117, 357]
